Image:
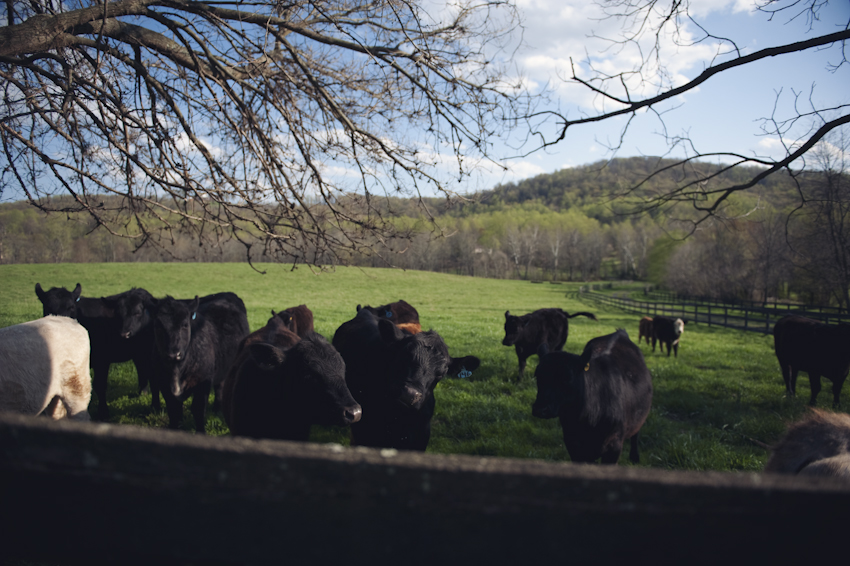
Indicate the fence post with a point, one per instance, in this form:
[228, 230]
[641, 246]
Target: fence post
[746, 317]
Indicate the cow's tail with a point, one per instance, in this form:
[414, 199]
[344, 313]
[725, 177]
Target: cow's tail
[587, 314]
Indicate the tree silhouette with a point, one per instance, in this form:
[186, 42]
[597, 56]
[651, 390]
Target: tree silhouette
[280, 124]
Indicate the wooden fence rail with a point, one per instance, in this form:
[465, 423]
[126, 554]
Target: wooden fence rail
[110, 494]
[742, 317]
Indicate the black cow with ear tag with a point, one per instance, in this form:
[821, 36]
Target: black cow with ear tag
[393, 374]
[601, 397]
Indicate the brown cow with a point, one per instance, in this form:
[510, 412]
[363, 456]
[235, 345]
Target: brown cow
[297, 319]
[816, 445]
[645, 329]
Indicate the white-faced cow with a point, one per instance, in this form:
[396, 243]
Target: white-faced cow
[601, 397]
[668, 332]
[100, 318]
[544, 326]
[44, 367]
[281, 384]
[392, 374]
[816, 445]
[803, 344]
[195, 345]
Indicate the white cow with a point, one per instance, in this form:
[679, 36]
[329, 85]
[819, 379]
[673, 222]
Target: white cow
[44, 366]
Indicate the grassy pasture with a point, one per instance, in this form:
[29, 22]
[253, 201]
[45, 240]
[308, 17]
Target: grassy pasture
[723, 392]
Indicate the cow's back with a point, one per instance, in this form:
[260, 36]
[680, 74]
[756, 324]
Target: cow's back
[43, 359]
[226, 325]
[811, 346]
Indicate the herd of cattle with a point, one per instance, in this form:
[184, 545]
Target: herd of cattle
[377, 375]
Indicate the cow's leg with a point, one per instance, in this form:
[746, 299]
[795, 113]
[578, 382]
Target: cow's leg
[101, 372]
[669, 348]
[676, 350]
[199, 406]
[814, 383]
[611, 451]
[174, 407]
[523, 357]
[836, 392]
[786, 377]
[653, 342]
[634, 456]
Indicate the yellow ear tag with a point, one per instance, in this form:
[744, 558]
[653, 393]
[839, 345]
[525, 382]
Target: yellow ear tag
[587, 367]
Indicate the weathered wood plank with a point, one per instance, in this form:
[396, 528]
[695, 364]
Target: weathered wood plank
[92, 493]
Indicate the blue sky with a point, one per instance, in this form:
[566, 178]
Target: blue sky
[722, 115]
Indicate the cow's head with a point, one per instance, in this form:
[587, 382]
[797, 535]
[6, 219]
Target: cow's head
[513, 329]
[399, 312]
[313, 374]
[417, 363]
[58, 301]
[132, 309]
[678, 327]
[283, 319]
[555, 374]
[172, 326]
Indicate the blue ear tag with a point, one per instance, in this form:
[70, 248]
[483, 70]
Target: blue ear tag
[194, 314]
[388, 314]
[78, 299]
[464, 373]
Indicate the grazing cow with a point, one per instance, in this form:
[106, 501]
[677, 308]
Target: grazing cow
[645, 329]
[282, 384]
[99, 317]
[392, 374]
[601, 397]
[803, 344]
[297, 319]
[544, 326]
[816, 445]
[667, 331]
[44, 367]
[194, 346]
[400, 312]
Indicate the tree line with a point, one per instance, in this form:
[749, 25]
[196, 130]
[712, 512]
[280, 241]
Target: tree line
[555, 227]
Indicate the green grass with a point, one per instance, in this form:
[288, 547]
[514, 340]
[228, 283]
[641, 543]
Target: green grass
[712, 405]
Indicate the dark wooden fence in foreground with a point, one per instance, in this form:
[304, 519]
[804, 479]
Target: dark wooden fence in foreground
[745, 316]
[107, 494]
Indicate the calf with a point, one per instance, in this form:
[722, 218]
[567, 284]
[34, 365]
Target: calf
[297, 319]
[44, 367]
[816, 445]
[544, 326]
[803, 344]
[392, 374]
[645, 329]
[99, 317]
[283, 384]
[601, 397]
[400, 312]
[667, 331]
[194, 346]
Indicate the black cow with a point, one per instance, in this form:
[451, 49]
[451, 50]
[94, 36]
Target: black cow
[601, 397]
[132, 309]
[392, 374]
[194, 346]
[99, 317]
[282, 384]
[803, 344]
[544, 326]
[401, 313]
[667, 331]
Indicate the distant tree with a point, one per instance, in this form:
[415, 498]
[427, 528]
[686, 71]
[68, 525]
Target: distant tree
[284, 125]
[647, 26]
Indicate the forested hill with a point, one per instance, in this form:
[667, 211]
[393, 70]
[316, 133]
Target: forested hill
[589, 186]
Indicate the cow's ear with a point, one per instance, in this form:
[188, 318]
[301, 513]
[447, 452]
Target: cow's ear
[542, 350]
[507, 314]
[358, 308]
[464, 364]
[76, 293]
[389, 331]
[266, 356]
[39, 292]
[193, 306]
